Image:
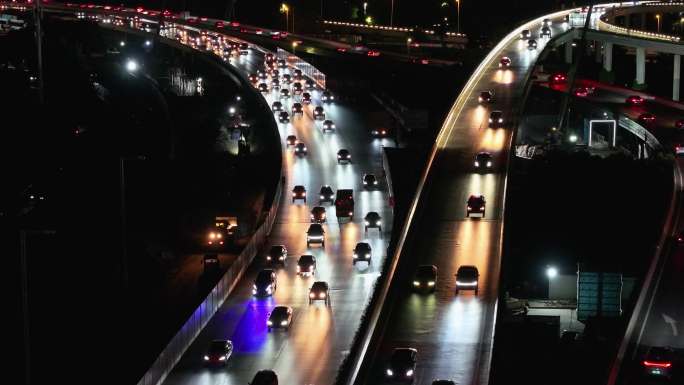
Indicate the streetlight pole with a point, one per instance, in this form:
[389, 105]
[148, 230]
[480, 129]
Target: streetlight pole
[458, 16]
[658, 21]
[408, 47]
[392, 15]
[39, 46]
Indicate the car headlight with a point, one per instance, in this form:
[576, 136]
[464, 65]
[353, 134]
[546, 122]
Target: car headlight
[222, 358]
[322, 197]
[477, 164]
[206, 358]
[283, 323]
[500, 120]
[379, 222]
[269, 323]
[269, 289]
[409, 373]
[469, 208]
[322, 295]
[431, 283]
[367, 255]
[254, 291]
[367, 223]
[268, 258]
[356, 255]
[489, 164]
[212, 235]
[389, 372]
[490, 120]
[282, 257]
[375, 182]
[312, 295]
[479, 98]
[416, 283]
[365, 183]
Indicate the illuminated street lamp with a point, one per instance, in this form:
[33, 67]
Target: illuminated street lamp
[551, 272]
[408, 46]
[294, 46]
[365, 6]
[369, 20]
[284, 8]
[657, 16]
[131, 65]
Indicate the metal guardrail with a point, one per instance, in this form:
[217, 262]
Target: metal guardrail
[605, 26]
[639, 131]
[307, 69]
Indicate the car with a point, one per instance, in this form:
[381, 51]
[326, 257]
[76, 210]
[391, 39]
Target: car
[485, 97]
[379, 132]
[558, 78]
[343, 155]
[678, 149]
[253, 78]
[306, 98]
[315, 234]
[284, 117]
[216, 238]
[265, 377]
[211, 264]
[284, 93]
[327, 97]
[425, 278]
[299, 192]
[319, 291]
[297, 109]
[369, 180]
[219, 352]
[531, 44]
[372, 221]
[545, 31]
[282, 63]
[402, 364]
[275, 83]
[373, 53]
[298, 74]
[505, 62]
[546, 23]
[496, 119]
[475, 205]
[467, 278]
[483, 161]
[265, 283]
[276, 255]
[263, 76]
[280, 317]
[326, 194]
[657, 362]
[287, 78]
[291, 140]
[581, 92]
[300, 149]
[319, 113]
[328, 125]
[362, 253]
[277, 106]
[525, 34]
[297, 88]
[263, 87]
[318, 214]
[679, 124]
[306, 265]
[244, 48]
[634, 100]
[647, 118]
[310, 84]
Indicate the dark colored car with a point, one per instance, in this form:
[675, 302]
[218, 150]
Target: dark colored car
[319, 291]
[310, 84]
[287, 79]
[505, 62]
[299, 192]
[291, 140]
[343, 155]
[306, 98]
[425, 278]
[362, 253]
[476, 205]
[545, 31]
[679, 238]
[328, 125]
[297, 88]
[326, 194]
[402, 364]
[297, 108]
[298, 74]
[300, 149]
[467, 278]
[483, 161]
[284, 117]
[647, 119]
[379, 132]
[277, 106]
[657, 362]
[282, 63]
[211, 263]
[558, 78]
[327, 97]
[485, 97]
[319, 113]
[372, 221]
[265, 283]
[275, 83]
[496, 119]
[219, 352]
[253, 78]
[369, 181]
[679, 124]
[315, 234]
[277, 255]
[280, 317]
[318, 214]
[284, 93]
[634, 100]
[265, 377]
[531, 44]
[525, 34]
[263, 87]
[306, 265]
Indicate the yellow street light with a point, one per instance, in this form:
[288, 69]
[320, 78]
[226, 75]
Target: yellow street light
[284, 8]
[658, 20]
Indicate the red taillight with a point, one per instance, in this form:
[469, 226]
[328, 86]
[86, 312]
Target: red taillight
[653, 364]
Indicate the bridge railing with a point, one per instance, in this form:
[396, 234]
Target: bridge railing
[603, 25]
[307, 69]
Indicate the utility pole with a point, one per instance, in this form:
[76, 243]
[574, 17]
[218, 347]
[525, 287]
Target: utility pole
[38, 19]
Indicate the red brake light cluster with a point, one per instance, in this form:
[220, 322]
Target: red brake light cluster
[653, 364]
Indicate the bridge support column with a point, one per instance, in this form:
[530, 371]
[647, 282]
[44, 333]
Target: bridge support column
[568, 52]
[675, 77]
[640, 81]
[597, 51]
[606, 74]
